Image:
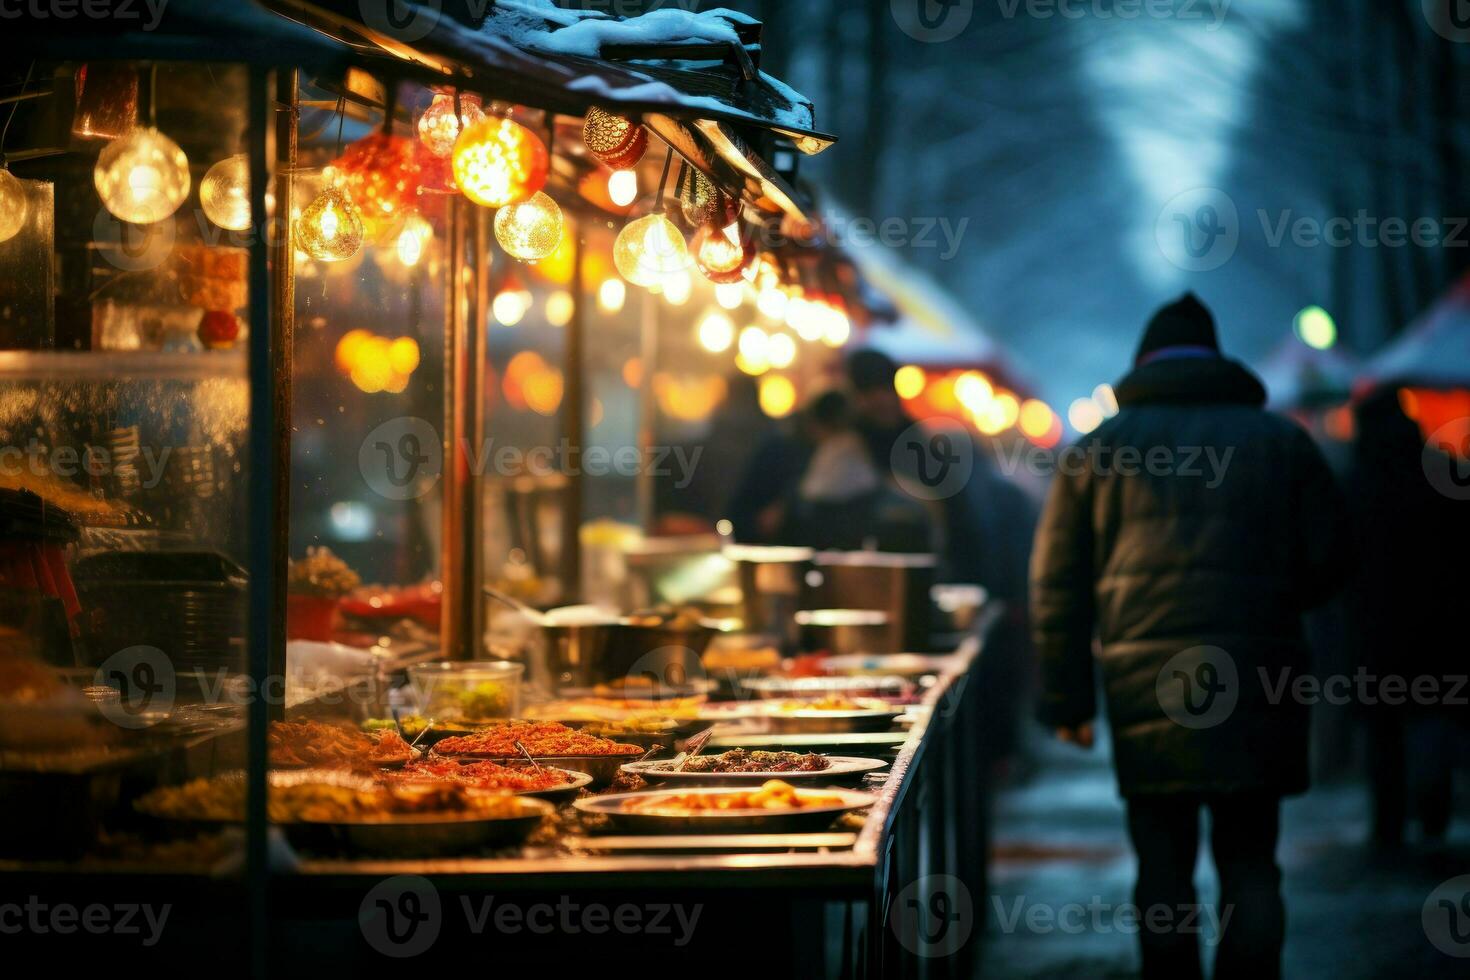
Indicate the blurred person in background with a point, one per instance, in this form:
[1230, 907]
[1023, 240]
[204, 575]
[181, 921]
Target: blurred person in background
[1193, 576]
[1399, 621]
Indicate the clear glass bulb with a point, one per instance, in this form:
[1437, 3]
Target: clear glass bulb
[224, 193]
[438, 127]
[142, 177]
[650, 250]
[529, 231]
[622, 187]
[330, 228]
[13, 205]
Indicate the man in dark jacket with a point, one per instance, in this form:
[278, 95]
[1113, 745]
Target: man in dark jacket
[1189, 533]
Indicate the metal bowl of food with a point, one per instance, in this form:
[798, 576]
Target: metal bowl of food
[788, 766]
[832, 714]
[843, 631]
[819, 687]
[772, 808]
[509, 820]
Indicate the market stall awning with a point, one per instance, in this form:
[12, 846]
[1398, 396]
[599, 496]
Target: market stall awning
[1298, 375]
[1435, 351]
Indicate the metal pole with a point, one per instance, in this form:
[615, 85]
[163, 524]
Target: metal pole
[269, 437]
[647, 407]
[462, 621]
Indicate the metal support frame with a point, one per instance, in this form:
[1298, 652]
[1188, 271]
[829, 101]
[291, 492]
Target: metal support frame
[574, 429]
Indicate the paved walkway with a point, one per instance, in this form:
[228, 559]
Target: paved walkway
[1059, 842]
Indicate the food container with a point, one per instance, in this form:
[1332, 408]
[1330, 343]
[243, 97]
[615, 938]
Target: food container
[771, 585]
[582, 656]
[897, 585]
[723, 821]
[469, 691]
[844, 631]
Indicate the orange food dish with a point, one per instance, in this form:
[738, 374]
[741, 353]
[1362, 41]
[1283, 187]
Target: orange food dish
[773, 794]
[314, 744]
[543, 739]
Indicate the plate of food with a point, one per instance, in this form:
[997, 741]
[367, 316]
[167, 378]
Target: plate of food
[550, 783]
[549, 743]
[818, 687]
[319, 745]
[333, 809]
[741, 766]
[773, 807]
[834, 713]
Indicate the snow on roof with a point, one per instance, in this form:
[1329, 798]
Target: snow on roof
[542, 27]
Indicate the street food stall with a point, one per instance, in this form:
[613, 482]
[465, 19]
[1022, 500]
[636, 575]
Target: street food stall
[321, 618]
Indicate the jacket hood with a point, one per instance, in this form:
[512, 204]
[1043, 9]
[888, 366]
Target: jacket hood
[1192, 381]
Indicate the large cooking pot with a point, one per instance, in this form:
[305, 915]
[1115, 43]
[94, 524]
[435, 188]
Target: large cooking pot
[771, 584]
[624, 653]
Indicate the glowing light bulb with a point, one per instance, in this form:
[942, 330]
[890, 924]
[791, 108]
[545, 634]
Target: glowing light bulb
[224, 193]
[837, 328]
[403, 355]
[438, 128]
[499, 162]
[560, 307]
[142, 177]
[909, 381]
[755, 345]
[531, 230]
[330, 227]
[678, 287]
[13, 205]
[721, 255]
[649, 250]
[1084, 415]
[413, 239]
[622, 187]
[730, 295]
[511, 306]
[772, 303]
[781, 351]
[1316, 328]
[611, 296]
[716, 333]
[973, 390]
[777, 396]
[1036, 419]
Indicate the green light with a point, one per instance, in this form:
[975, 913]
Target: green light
[1316, 328]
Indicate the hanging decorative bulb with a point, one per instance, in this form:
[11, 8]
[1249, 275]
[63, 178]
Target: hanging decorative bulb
[13, 205]
[721, 254]
[622, 187]
[381, 173]
[412, 240]
[142, 177]
[615, 141]
[439, 127]
[529, 231]
[499, 162]
[330, 228]
[224, 193]
[649, 250]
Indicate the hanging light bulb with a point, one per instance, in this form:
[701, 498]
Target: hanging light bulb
[721, 254]
[142, 177]
[499, 162]
[13, 205]
[617, 142]
[330, 227]
[611, 296]
[649, 250]
[439, 128]
[716, 333]
[730, 295]
[415, 236]
[678, 287]
[381, 173]
[529, 231]
[622, 187]
[224, 193]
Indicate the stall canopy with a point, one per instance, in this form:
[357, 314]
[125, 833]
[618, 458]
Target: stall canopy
[1435, 351]
[929, 327]
[1298, 375]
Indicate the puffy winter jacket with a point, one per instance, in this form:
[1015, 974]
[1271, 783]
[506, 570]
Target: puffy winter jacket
[1188, 534]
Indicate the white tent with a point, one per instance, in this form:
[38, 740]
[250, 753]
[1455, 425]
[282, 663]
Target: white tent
[1435, 351]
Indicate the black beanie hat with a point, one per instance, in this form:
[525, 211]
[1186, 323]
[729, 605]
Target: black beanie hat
[1184, 323]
